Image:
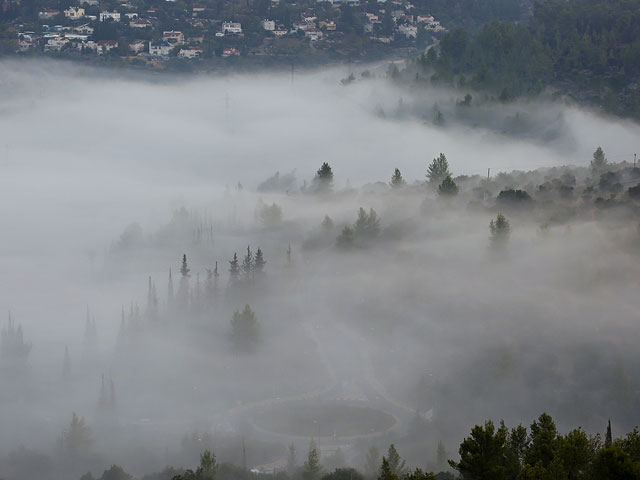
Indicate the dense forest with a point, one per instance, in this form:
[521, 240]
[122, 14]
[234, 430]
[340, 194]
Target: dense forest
[586, 49]
[473, 14]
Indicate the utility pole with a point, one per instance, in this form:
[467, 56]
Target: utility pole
[488, 173]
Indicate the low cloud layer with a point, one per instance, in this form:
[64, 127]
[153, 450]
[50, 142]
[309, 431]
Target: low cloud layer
[97, 166]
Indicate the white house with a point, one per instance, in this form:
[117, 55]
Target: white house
[105, 46]
[191, 52]
[313, 34]
[269, 25]
[231, 27]
[137, 46]
[115, 16]
[74, 13]
[25, 44]
[48, 13]
[408, 30]
[173, 36]
[55, 43]
[84, 29]
[424, 18]
[162, 49]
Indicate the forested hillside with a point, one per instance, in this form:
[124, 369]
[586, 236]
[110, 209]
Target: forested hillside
[588, 49]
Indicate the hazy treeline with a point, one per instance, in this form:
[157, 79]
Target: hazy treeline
[585, 49]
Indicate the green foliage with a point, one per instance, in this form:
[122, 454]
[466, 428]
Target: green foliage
[364, 230]
[385, 471]
[245, 330]
[327, 223]
[116, 472]
[491, 453]
[324, 179]
[514, 198]
[499, 230]
[344, 474]
[259, 262]
[418, 474]
[614, 463]
[271, 215]
[312, 470]
[234, 268]
[366, 226]
[396, 180]
[585, 46]
[484, 455]
[396, 463]
[247, 264]
[438, 169]
[347, 237]
[77, 438]
[205, 471]
[448, 187]
[599, 162]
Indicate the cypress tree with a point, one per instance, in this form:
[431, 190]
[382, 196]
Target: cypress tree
[396, 180]
[247, 264]
[234, 269]
[259, 262]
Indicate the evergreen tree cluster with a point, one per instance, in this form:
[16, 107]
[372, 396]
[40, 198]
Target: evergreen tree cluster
[498, 453]
[590, 48]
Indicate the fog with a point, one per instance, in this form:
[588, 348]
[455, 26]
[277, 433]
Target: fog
[109, 177]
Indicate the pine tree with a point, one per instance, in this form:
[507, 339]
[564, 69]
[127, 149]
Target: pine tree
[327, 223]
[245, 330]
[347, 238]
[312, 469]
[438, 169]
[324, 179]
[184, 269]
[259, 262]
[500, 231]
[396, 463]
[608, 440]
[77, 438]
[448, 187]
[396, 180]
[183, 289]
[599, 162]
[234, 269]
[386, 472]
[247, 264]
